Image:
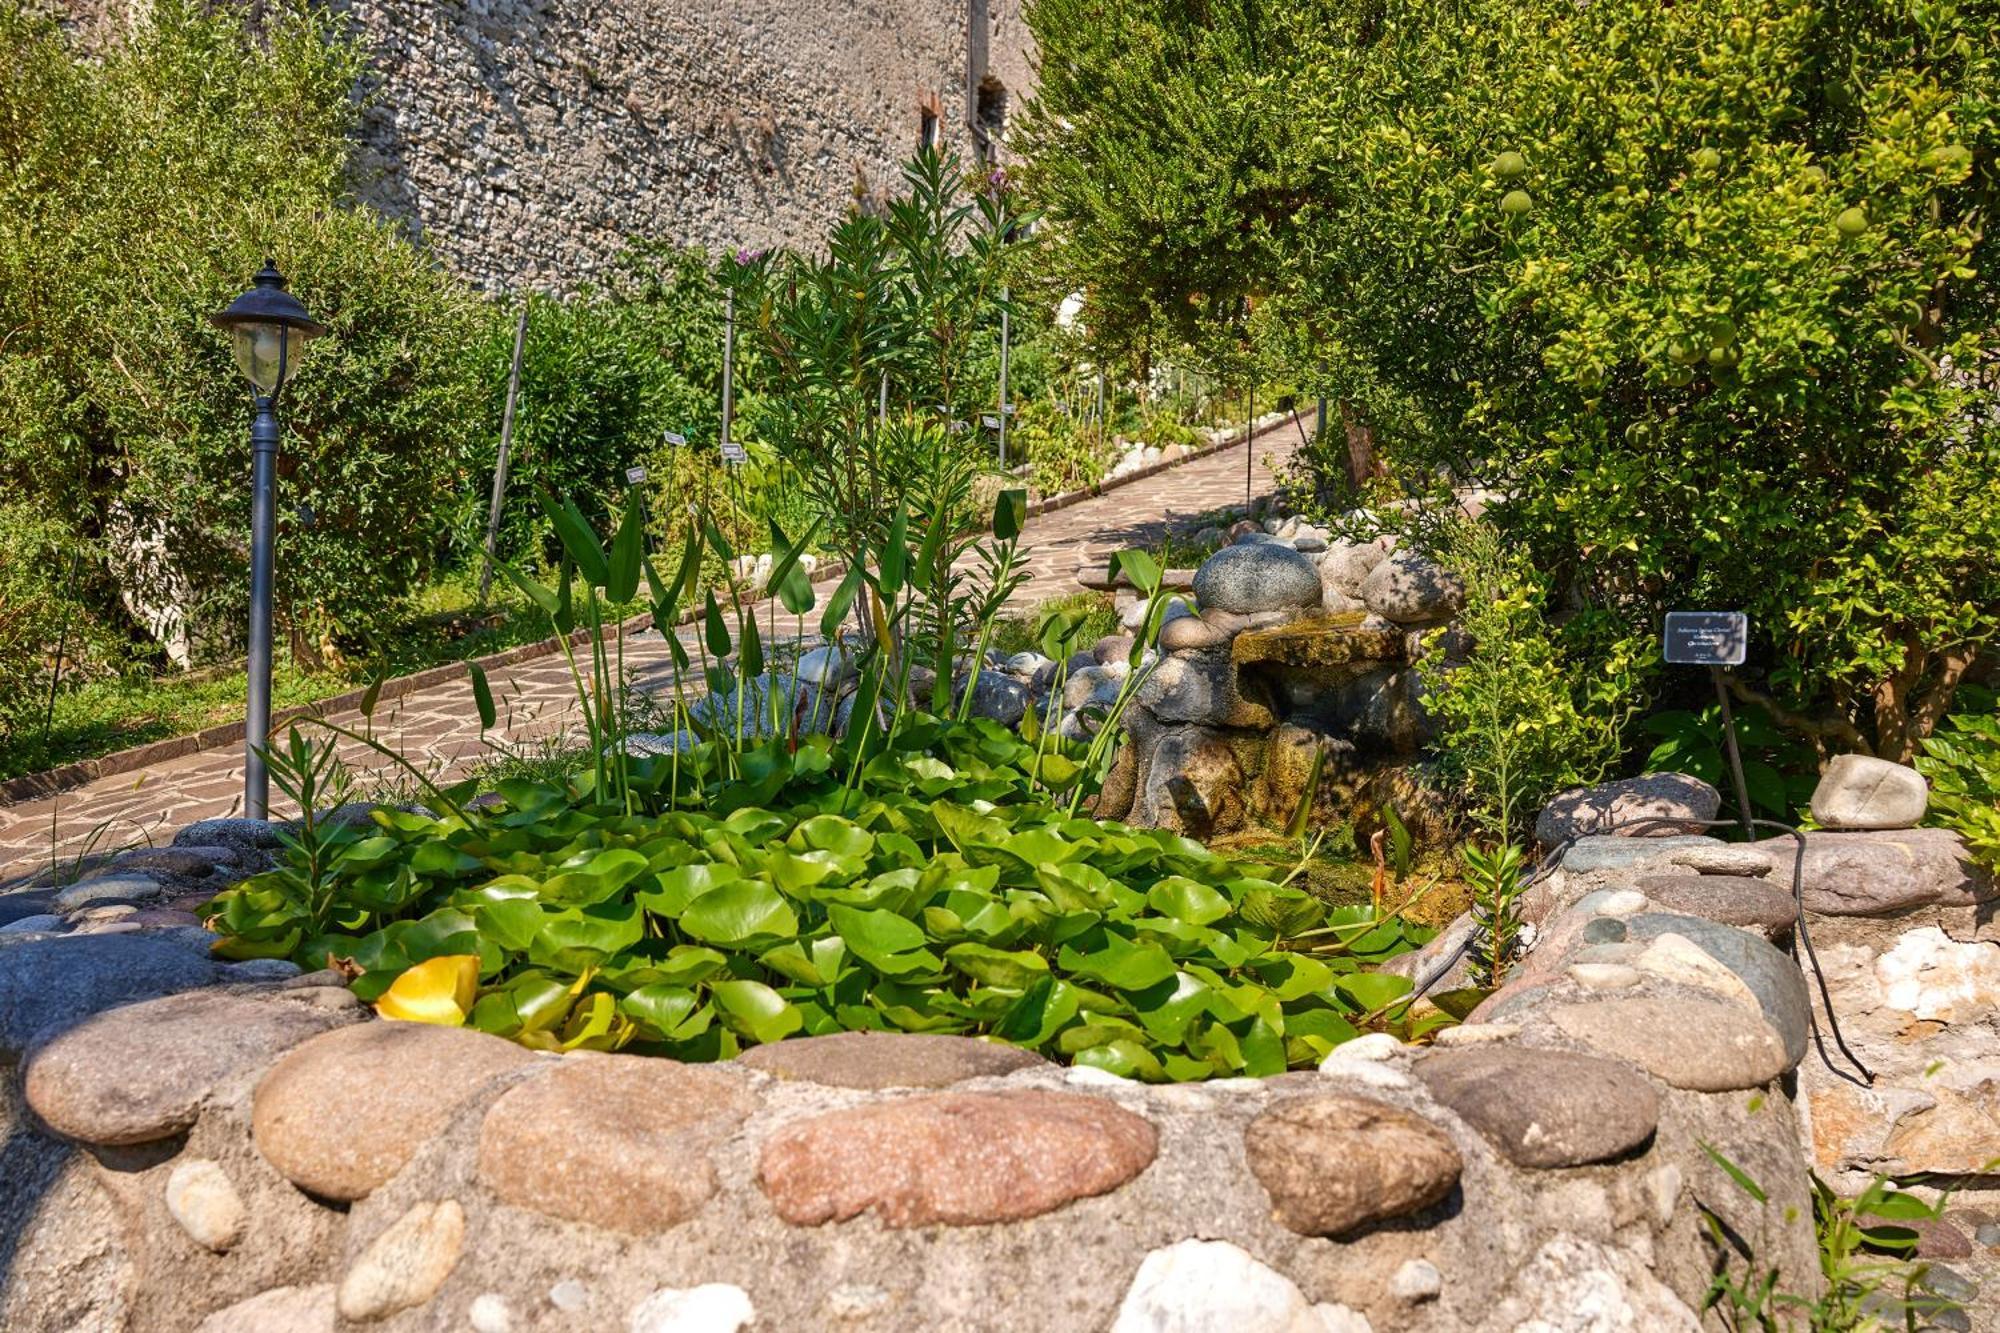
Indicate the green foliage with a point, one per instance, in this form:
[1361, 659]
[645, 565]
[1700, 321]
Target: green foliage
[138, 192]
[1779, 769]
[1531, 709]
[1867, 1258]
[1495, 879]
[893, 308]
[1066, 454]
[1962, 761]
[1703, 289]
[941, 895]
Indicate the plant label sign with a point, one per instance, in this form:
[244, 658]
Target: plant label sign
[674, 437]
[734, 454]
[634, 475]
[1706, 638]
[991, 423]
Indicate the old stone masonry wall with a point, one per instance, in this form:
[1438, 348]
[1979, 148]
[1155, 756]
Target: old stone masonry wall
[526, 140]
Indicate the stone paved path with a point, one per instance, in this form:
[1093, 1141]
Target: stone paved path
[438, 731]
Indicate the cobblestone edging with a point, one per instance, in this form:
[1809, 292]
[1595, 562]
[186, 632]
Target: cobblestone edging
[50, 782]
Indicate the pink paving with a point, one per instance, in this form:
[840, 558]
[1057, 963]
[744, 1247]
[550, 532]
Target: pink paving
[437, 729]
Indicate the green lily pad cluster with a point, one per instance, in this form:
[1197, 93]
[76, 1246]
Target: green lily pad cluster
[937, 891]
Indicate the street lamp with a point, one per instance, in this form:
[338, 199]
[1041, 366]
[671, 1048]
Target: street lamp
[269, 329]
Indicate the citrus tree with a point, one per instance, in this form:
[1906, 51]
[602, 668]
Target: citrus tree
[1703, 290]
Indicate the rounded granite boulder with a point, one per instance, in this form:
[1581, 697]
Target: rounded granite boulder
[875, 1060]
[1247, 579]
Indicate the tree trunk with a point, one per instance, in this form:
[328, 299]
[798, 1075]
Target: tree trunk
[1362, 464]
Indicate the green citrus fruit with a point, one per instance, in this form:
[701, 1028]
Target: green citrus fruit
[1684, 352]
[1510, 166]
[1851, 222]
[1680, 377]
[1723, 357]
[1516, 203]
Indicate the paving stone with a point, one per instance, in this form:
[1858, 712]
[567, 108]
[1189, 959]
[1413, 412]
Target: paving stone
[1700, 1045]
[887, 1059]
[343, 1112]
[1335, 1163]
[140, 1072]
[1545, 1108]
[406, 1264]
[953, 1158]
[620, 1142]
[52, 984]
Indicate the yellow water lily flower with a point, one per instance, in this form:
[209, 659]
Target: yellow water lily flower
[437, 990]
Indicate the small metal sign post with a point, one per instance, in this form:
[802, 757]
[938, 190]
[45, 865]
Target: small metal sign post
[1717, 640]
[635, 476]
[734, 454]
[991, 423]
[674, 438]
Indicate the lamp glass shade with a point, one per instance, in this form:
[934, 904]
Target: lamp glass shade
[257, 347]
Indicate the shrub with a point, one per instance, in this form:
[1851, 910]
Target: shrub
[1703, 289]
[1530, 709]
[141, 187]
[1962, 761]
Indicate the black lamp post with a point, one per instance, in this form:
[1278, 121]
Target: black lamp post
[269, 328]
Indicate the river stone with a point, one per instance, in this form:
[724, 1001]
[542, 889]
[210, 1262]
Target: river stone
[953, 1158]
[1333, 1163]
[141, 1072]
[47, 985]
[204, 1203]
[1200, 687]
[1700, 1045]
[292, 1309]
[1409, 589]
[1883, 873]
[342, 1113]
[618, 1141]
[1212, 1286]
[172, 862]
[875, 1060]
[1545, 1108]
[1857, 791]
[1733, 900]
[1249, 579]
[1662, 804]
[23, 903]
[406, 1264]
[1771, 977]
[824, 666]
[1191, 635]
[237, 834]
[713, 1307]
[1697, 854]
[1093, 687]
[43, 923]
[107, 890]
[998, 697]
